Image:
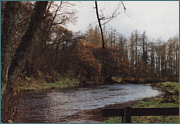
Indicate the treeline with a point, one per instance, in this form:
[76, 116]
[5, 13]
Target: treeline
[136, 56]
[81, 55]
[154, 59]
[145, 58]
[58, 50]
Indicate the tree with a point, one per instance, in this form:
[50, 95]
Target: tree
[144, 56]
[152, 59]
[172, 58]
[9, 26]
[99, 22]
[135, 55]
[132, 53]
[107, 19]
[84, 61]
[176, 39]
[93, 36]
[20, 55]
[48, 37]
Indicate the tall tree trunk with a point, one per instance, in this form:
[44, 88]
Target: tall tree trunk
[102, 37]
[136, 64]
[56, 56]
[99, 21]
[24, 48]
[9, 27]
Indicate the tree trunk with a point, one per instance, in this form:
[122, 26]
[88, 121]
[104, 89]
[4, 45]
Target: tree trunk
[99, 21]
[102, 37]
[24, 48]
[122, 80]
[56, 56]
[9, 27]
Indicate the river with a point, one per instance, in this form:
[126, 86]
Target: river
[66, 105]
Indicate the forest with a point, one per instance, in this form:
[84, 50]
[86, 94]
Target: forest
[35, 44]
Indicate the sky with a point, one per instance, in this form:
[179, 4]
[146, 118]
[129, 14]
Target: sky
[160, 19]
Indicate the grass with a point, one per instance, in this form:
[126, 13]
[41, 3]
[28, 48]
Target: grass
[165, 101]
[114, 120]
[33, 84]
[169, 86]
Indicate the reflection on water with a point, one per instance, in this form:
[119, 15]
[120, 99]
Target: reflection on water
[63, 105]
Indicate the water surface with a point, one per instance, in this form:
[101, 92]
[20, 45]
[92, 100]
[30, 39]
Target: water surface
[66, 105]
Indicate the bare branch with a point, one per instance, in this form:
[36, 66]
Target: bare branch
[99, 21]
[123, 6]
[73, 39]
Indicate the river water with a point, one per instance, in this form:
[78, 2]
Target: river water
[65, 105]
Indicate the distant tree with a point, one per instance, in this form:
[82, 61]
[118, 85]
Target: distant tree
[152, 59]
[172, 58]
[132, 53]
[144, 56]
[135, 55]
[176, 39]
[115, 61]
[93, 36]
[84, 61]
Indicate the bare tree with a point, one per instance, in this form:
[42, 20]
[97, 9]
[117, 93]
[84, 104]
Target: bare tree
[99, 21]
[115, 14]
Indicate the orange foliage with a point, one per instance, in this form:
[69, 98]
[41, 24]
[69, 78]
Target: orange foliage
[85, 61]
[87, 58]
[89, 46]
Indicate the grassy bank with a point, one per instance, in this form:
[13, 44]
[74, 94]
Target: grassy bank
[33, 84]
[143, 80]
[170, 99]
[36, 84]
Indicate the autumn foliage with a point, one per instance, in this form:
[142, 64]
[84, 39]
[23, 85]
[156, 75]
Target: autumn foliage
[87, 61]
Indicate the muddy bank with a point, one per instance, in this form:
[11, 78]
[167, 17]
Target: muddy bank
[96, 114]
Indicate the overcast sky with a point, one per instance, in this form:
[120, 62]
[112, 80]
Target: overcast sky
[157, 18]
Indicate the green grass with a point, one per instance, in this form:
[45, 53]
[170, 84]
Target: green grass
[162, 102]
[61, 84]
[39, 84]
[50, 84]
[169, 86]
[155, 119]
[150, 103]
[114, 120]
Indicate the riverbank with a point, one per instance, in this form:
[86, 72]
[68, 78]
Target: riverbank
[48, 82]
[142, 80]
[67, 105]
[25, 83]
[170, 99]
[96, 114]
[34, 84]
